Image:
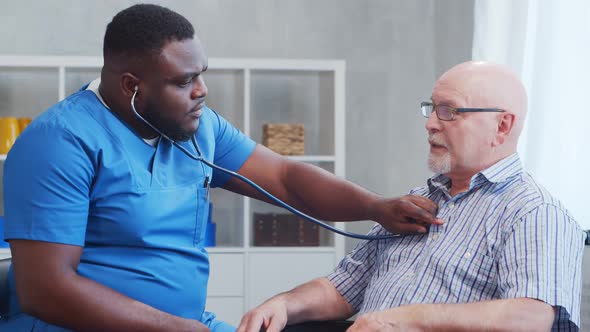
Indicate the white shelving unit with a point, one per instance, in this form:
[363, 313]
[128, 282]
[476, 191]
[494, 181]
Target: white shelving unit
[247, 92]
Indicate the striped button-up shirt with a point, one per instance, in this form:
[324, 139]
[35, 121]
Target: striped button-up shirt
[505, 237]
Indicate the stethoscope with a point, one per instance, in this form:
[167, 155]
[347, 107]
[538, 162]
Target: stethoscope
[200, 158]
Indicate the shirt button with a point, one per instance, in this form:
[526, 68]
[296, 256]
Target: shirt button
[434, 237]
[467, 255]
[451, 205]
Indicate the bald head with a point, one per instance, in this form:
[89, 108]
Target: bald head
[488, 85]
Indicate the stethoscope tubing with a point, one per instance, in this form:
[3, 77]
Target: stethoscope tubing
[303, 215]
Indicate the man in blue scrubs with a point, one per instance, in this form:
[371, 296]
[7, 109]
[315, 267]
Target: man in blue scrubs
[106, 219]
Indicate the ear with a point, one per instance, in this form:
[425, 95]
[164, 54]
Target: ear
[128, 84]
[505, 125]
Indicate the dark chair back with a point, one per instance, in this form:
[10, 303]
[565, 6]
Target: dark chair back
[327, 326]
[4, 299]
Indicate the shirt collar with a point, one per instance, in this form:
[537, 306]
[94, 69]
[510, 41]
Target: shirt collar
[498, 172]
[503, 169]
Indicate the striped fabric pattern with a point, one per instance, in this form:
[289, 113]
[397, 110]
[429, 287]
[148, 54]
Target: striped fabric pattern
[506, 237]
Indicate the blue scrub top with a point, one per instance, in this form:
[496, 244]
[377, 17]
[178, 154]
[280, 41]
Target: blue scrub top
[78, 175]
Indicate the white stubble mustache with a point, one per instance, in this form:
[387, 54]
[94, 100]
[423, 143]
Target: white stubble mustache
[436, 140]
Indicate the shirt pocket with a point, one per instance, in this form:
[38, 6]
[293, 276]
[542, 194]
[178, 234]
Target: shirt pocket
[202, 216]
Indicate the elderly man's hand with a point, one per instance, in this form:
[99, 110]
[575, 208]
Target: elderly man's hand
[405, 215]
[270, 316]
[406, 318]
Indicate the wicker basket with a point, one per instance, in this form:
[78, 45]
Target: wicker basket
[284, 138]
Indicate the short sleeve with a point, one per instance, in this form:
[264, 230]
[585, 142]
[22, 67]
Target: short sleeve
[542, 259]
[353, 273]
[47, 177]
[232, 149]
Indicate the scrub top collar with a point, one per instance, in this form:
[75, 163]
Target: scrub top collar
[93, 86]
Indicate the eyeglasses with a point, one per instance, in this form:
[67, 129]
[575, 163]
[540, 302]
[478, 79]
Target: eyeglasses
[447, 113]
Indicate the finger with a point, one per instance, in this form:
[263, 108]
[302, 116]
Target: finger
[424, 203]
[275, 325]
[412, 228]
[243, 324]
[253, 324]
[353, 328]
[418, 213]
[363, 325]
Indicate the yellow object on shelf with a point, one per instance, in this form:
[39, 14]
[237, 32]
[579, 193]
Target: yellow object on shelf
[9, 130]
[23, 123]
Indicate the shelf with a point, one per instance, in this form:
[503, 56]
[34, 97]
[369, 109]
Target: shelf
[225, 250]
[239, 250]
[33, 61]
[290, 249]
[28, 61]
[5, 252]
[313, 158]
[297, 158]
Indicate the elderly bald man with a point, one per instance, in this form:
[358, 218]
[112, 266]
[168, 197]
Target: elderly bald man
[507, 259]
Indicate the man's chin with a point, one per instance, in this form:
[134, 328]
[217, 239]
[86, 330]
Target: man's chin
[184, 135]
[438, 165]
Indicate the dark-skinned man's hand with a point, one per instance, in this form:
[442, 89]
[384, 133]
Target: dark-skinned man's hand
[406, 214]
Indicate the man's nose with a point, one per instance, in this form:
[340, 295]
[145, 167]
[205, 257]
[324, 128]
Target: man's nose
[200, 89]
[432, 123]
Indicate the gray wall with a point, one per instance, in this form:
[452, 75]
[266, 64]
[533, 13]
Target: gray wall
[394, 50]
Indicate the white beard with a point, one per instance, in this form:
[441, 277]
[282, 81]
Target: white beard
[440, 164]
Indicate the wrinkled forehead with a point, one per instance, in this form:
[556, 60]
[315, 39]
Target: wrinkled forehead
[449, 94]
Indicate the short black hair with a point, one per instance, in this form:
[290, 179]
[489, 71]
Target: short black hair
[144, 29]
